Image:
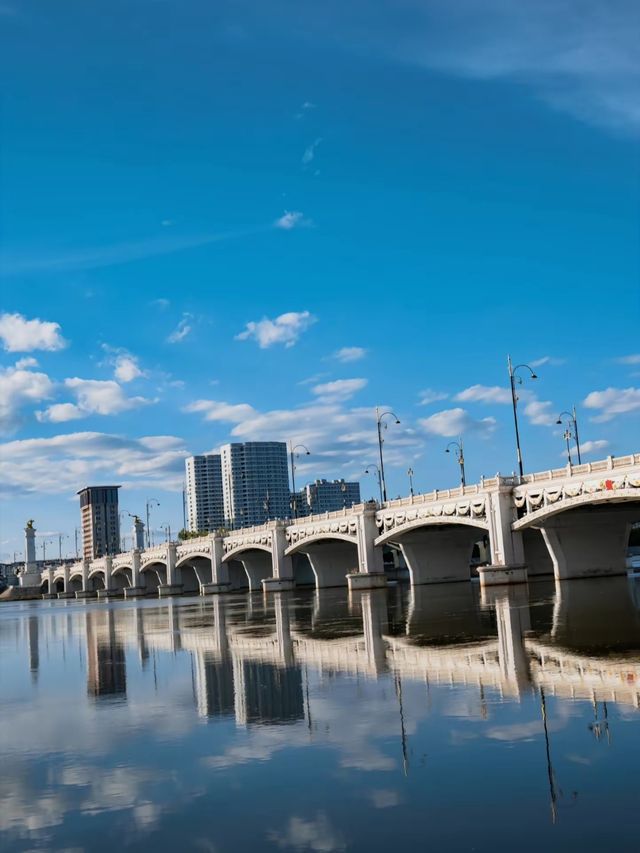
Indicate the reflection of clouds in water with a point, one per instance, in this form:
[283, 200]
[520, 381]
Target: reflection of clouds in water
[384, 798]
[316, 834]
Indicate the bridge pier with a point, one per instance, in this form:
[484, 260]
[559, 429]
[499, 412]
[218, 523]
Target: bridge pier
[585, 543]
[507, 548]
[370, 574]
[440, 554]
[173, 586]
[282, 563]
[219, 570]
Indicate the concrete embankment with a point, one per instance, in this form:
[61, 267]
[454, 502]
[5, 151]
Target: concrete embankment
[21, 593]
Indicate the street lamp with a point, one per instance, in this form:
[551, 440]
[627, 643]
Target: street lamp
[459, 456]
[513, 378]
[381, 423]
[377, 470]
[149, 504]
[166, 526]
[410, 476]
[292, 457]
[573, 424]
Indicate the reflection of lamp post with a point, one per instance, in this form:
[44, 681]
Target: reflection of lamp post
[568, 434]
[149, 504]
[293, 456]
[513, 378]
[459, 456]
[552, 783]
[403, 734]
[410, 475]
[377, 470]
[381, 423]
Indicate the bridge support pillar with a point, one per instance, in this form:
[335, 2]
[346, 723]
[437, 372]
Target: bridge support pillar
[370, 574]
[50, 593]
[219, 570]
[173, 586]
[585, 543]
[282, 563]
[507, 549]
[109, 586]
[137, 587]
[439, 555]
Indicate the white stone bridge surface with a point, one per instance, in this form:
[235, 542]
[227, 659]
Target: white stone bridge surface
[570, 522]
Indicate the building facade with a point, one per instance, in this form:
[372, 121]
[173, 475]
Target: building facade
[326, 496]
[255, 482]
[100, 521]
[204, 494]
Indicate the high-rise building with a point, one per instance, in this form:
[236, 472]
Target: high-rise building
[205, 502]
[255, 482]
[326, 496]
[100, 521]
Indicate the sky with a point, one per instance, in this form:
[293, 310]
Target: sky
[260, 220]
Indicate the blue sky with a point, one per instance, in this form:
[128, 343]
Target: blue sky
[415, 191]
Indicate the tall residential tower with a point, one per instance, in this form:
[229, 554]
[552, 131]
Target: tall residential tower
[205, 502]
[100, 521]
[255, 482]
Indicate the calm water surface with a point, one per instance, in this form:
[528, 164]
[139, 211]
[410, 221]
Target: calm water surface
[436, 719]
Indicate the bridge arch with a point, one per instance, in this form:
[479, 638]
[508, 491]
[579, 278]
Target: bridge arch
[436, 549]
[331, 555]
[536, 518]
[122, 577]
[152, 575]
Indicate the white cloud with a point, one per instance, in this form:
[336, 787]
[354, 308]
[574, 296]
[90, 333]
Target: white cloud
[310, 152]
[291, 219]
[484, 394]
[612, 402]
[18, 334]
[215, 410]
[551, 360]
[339, 389]
[93, 397]
[453, 422]
[26, 363]
[348, 354]
[285, 329]
[429, 396]
[160, 303]
[540, 412]
[18, 389]
[588, 447]
[181, 331]
[63, 463]
[629, 359]
[125, 365]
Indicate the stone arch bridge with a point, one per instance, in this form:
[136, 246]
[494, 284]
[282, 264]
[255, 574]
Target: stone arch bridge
[570, 522]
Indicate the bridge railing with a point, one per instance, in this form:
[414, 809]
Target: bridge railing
[611, 463]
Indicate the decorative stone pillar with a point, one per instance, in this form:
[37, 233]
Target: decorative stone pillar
[282, 563]
[219, 570]
[507, 550]
[370, 574]
[136, 587]
[173, 585]
[29, 574]
[137, 532]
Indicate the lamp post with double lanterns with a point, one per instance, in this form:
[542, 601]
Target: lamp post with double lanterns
[410, 476]
[571, 432]
[459, 451]
[293, 455]
[513, 379]
[382, 424]
[379, 478]
[149, 504]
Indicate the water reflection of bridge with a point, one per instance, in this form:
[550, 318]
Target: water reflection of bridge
[581, 643]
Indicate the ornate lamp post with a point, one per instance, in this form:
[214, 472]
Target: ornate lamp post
[410, 476]
[382, 424]
[292, 457]
[459, 451]
[379, 478]
[571, 431]
[149, 504]
[513, 379]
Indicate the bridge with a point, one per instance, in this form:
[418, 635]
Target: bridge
[571, 522]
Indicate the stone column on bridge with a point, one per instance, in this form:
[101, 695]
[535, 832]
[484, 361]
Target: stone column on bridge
[109, 585]
[137, 587]
[29, 574]
[507, 550]
[173, 585]
[589, 542]
[370, 574]
[282, 564]
[66, 586]
[219, 570]
[86, 591]
[49, 573]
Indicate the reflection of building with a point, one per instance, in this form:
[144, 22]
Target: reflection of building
[326, 496]
[205, 503]
[266, 693]
[214, 686]
[255, 482]
[106, 665]
[100, 522]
